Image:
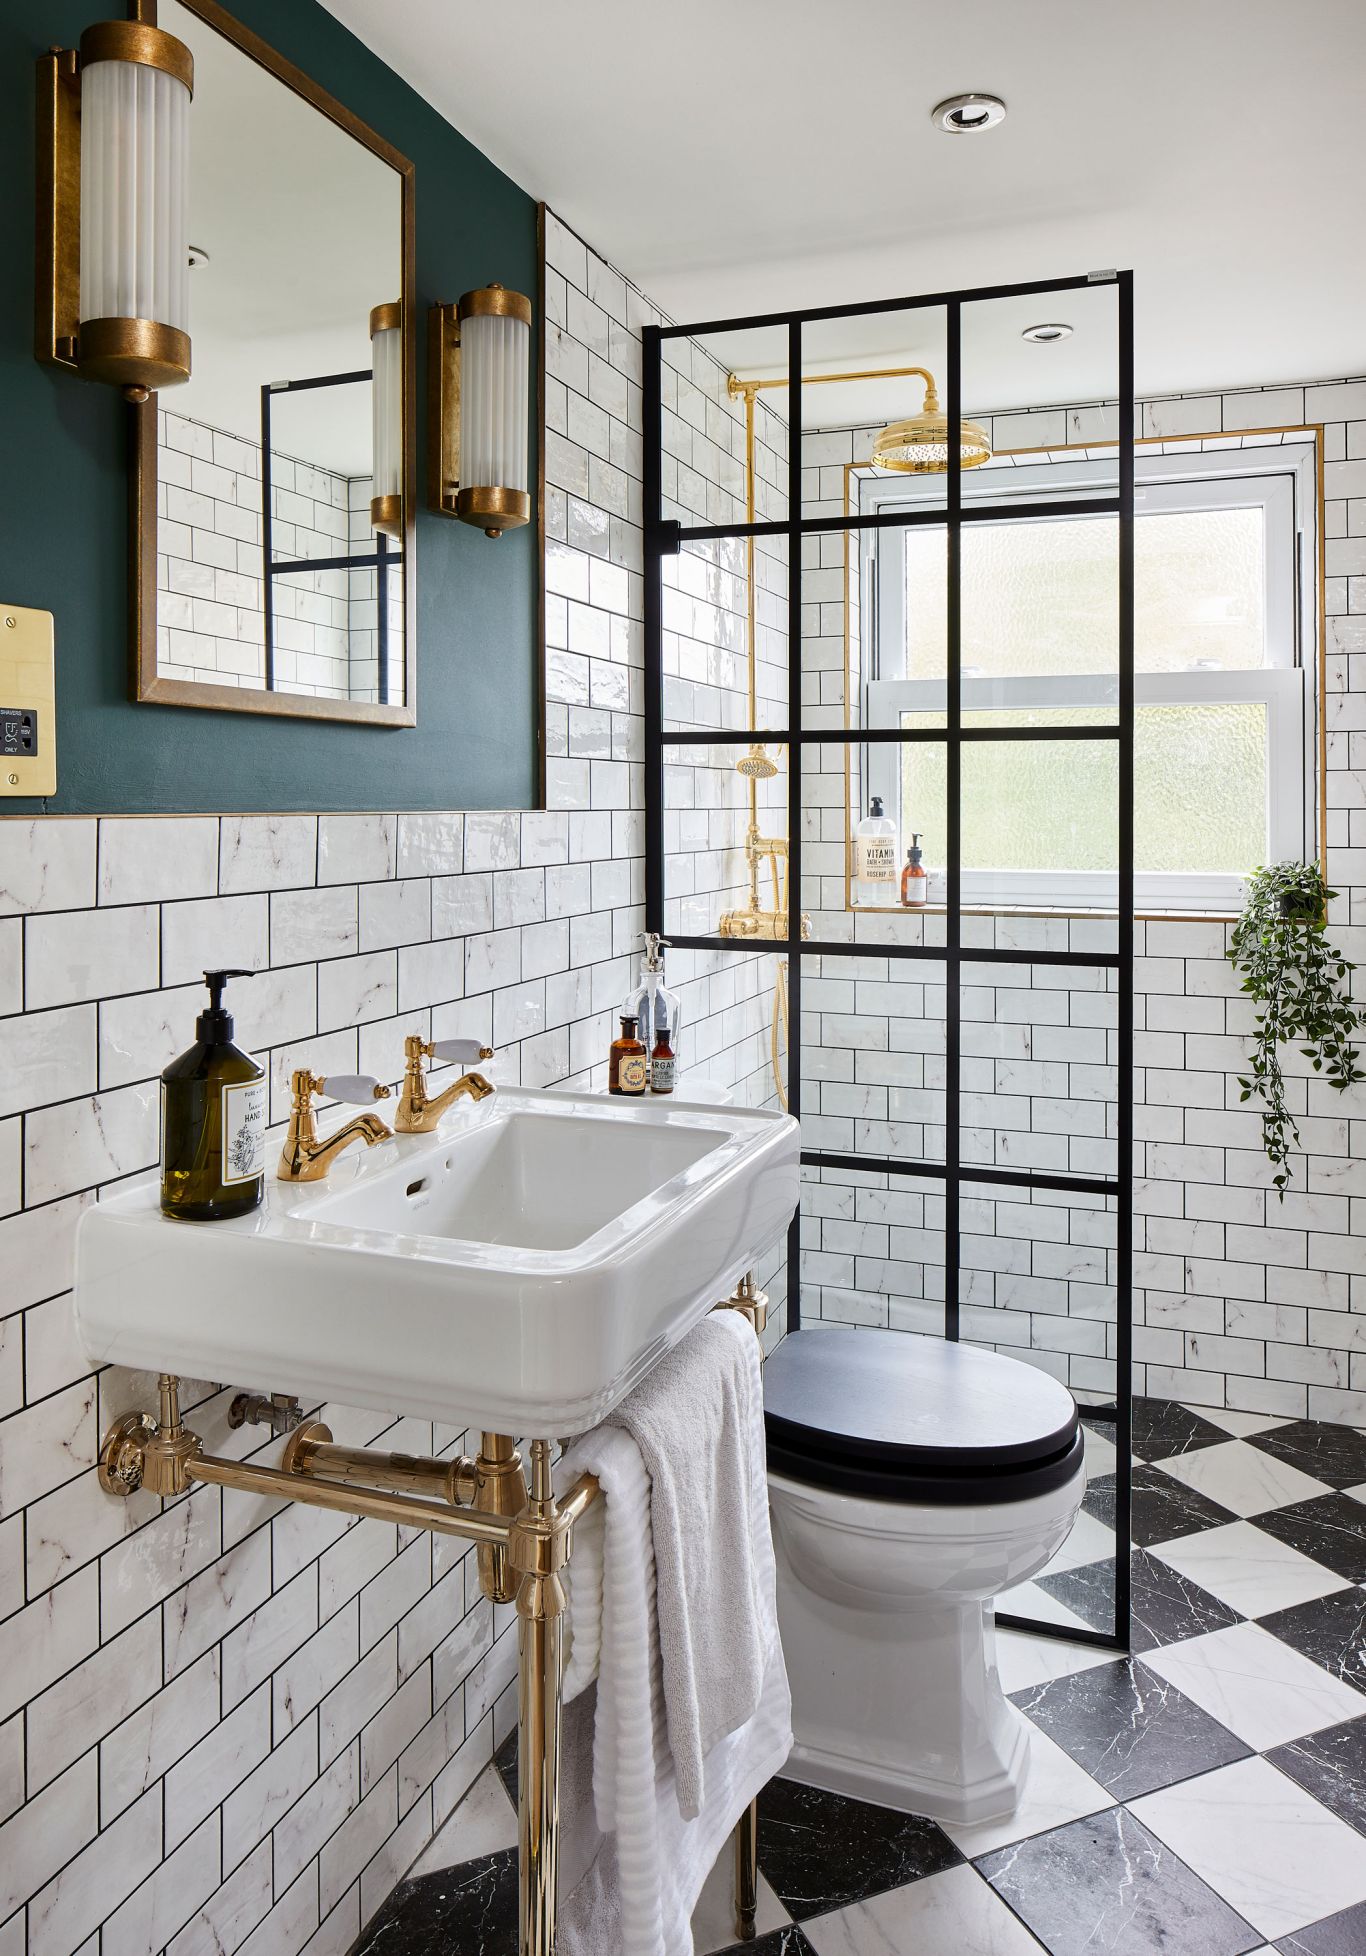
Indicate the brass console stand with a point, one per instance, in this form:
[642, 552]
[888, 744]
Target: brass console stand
[524, 1540]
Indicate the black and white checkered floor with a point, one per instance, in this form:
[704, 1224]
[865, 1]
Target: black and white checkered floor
[1205, 1796]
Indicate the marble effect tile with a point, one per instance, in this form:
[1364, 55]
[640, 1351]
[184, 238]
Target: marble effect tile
[1248, 1569]
[1332, 1766]
[1129, 1728]
[1164, 1606]
[713, 1920]
[1335, 1455]
[1242, 1478]
[1258, 1687]
[954, 1910]
[820, 1852]
[1336, 1935]
[484, 1823]
[780, 1942]
[471, 1908]
[1240, 1425]
[1107, 1884]
[1163, 1509]
[1331, 1630]
[1024, 1661]
[1162, 1429]
[1330, 1530]
[1261, 1842]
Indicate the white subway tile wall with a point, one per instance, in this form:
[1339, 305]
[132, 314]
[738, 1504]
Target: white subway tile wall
[226, 1724]
[1241, 1301]
[210, 621]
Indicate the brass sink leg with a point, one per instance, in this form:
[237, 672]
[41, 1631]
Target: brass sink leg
[747, 1872]
[501, 1491]
[540, 1650]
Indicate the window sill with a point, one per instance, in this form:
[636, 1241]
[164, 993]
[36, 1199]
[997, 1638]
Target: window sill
[1077, 912]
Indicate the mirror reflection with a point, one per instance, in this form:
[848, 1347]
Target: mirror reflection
[279, 547]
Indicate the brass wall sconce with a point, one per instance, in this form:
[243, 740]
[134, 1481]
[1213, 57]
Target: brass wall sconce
[112, 268]
[386, 395]
[478, 383]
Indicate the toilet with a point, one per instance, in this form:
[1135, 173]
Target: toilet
[911, 1481]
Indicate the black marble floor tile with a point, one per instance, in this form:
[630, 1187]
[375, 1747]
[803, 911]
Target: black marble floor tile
[1336, 1935]
[1335, 1455]
[472, 1908]
[1161, 1428]
[1331, 1630]
[1165, 1607]
[778, 1942]
[1330, 1529]
[1129, 1728]
[505, 1759]
[1107, 1884]
[819, 1851]
[1332, 1766]
[1163, 1509]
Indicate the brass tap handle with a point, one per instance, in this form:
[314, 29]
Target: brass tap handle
[418, 1112]
[307, 1159]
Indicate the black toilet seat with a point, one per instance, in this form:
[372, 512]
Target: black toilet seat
[908, 1418]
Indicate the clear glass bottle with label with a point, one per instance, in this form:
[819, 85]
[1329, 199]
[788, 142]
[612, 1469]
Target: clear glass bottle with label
[213, 1120]
[655, 1008]
[874, 875]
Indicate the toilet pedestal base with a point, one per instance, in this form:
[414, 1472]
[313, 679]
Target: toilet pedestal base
[901, 1706]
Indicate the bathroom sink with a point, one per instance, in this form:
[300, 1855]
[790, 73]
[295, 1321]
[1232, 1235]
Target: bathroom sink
[519, 1270]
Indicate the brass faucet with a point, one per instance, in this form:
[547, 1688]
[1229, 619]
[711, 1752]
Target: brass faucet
[305, 1157]
[418, 1113]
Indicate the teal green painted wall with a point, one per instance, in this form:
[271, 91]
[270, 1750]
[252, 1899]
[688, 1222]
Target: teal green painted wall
[64, 502]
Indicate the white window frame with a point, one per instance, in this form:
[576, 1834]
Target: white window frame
[1282, 481]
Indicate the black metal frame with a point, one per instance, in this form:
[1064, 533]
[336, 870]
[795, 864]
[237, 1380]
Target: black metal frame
[381, 559]
[663, 538]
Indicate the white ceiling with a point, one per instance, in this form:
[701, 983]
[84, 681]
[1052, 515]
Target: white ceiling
[736, 156]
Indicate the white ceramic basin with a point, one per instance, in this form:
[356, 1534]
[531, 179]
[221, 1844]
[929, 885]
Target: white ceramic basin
[518, 1271]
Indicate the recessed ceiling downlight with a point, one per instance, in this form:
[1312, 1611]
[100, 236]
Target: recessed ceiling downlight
[1047, 332]
[964, 115]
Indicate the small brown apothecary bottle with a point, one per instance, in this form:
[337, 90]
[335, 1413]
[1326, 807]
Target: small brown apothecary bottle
[628, 1067]
[663, 1065]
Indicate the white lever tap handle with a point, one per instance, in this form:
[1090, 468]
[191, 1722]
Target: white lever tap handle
[359, 1087]
[465, 1052]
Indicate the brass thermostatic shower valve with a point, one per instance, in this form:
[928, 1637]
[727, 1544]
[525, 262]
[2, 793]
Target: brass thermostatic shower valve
[28, 709]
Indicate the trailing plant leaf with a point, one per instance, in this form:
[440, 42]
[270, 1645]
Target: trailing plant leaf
[1280, 949]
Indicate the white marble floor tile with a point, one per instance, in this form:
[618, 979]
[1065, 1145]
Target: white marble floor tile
[485, 1822]
[1241, 1478]
[1258, 1687]
[1261, 1842]
[955, 1911]
[1236, 1423]
[713, 1920]
[1099, 1454]
[1055, 1791]
[1248, 1569]
[1024, 1661]
[1027, 1599]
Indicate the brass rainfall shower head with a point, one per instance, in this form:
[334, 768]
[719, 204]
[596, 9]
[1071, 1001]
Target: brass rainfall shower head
[756, 765]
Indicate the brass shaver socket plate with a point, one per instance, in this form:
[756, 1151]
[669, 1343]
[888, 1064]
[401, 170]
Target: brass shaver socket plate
[28, 702]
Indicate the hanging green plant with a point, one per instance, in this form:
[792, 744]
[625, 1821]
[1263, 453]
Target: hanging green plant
[1281, 951]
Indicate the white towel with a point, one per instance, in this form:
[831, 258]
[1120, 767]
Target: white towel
[632, 1865]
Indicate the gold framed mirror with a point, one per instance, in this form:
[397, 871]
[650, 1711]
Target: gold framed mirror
[273, 495]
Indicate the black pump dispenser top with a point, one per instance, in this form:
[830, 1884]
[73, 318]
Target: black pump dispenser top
[875, 805]
[215, 1027]
[915, 853]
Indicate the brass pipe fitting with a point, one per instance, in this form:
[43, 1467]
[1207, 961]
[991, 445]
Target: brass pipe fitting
[501, 1491]
[311, 1452]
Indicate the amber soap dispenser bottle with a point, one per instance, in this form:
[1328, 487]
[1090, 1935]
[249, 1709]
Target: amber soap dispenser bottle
[628, 1064]
[213, 1120]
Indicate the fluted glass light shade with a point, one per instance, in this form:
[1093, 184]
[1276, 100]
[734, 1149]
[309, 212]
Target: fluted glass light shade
[386, 396]
[136, 85]
[495, 381]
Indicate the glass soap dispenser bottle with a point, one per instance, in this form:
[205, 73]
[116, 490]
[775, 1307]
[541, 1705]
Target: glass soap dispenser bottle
[213, 1120]
[656, 1009]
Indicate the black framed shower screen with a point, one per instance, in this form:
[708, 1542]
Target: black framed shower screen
[664, 538]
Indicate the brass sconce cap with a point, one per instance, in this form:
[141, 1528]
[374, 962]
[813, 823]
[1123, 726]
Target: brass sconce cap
[138, 353]
[385, 318]
[495, 301]
[495, 510]
[921, 445]
[386, 513]
[137, 41]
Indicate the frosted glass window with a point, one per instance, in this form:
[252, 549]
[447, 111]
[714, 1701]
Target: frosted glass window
[1042, 598]
[1199, 801]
